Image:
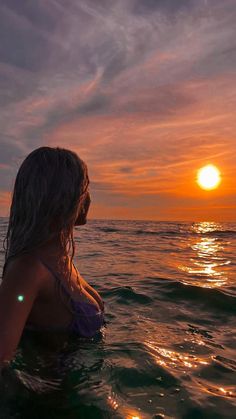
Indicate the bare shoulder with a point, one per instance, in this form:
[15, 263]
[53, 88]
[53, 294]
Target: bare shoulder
[26, 270]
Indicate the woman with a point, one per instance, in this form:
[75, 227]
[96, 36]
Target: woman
[41, 288]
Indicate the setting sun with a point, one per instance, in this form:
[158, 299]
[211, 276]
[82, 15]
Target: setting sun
[208, 177]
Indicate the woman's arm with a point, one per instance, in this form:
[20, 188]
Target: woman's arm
[18, 291]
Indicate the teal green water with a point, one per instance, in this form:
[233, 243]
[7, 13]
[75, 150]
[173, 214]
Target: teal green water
[168, 348]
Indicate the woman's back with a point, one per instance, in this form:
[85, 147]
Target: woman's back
[49, 312]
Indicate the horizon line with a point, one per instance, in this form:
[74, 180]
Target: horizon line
[150, 220]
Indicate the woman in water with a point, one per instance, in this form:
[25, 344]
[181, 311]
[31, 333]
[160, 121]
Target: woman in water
[41, 288]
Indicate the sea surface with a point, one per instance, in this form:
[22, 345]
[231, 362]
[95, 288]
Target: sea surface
[168, 348]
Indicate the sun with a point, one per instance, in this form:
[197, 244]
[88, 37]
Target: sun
[208, 177]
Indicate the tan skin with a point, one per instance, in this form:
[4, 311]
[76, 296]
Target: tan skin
[41, 306]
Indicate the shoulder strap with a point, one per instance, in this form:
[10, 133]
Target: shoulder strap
[54, 274]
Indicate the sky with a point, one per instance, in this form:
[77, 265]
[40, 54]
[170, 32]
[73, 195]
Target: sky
[142, 90]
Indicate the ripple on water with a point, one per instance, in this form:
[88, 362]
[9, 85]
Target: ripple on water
[126, 295]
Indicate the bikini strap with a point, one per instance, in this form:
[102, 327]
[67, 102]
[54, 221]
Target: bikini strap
[57, 277]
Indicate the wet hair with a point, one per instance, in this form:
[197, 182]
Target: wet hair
[46, 201]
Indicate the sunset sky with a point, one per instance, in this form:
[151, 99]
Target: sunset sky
[144, 91]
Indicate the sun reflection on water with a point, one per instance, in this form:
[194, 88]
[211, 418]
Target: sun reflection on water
[225, 392]
[206, 227]
[207, 263]
[127, 411]
[173, 359]
[181, 362]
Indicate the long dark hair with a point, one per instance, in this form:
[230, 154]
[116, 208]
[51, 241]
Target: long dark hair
[47, 192]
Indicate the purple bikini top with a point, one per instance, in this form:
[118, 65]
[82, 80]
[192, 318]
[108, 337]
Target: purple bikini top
[88, 319]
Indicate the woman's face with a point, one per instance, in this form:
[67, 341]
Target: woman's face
[86, 200]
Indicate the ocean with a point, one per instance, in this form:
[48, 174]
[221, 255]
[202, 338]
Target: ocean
[168, 347]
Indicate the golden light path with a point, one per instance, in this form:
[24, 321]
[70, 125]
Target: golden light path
[208, 177]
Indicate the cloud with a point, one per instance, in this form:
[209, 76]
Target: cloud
[43, 15]
[143, 90]
[169, 7]
[20, 45]
[9, 151]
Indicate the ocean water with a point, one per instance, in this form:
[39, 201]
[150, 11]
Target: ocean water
[168, 348]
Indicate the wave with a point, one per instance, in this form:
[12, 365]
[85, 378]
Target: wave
[186, 232]
[219, 232]
[208, 297]
[109, 229]
[158, 233]
[127, 294]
